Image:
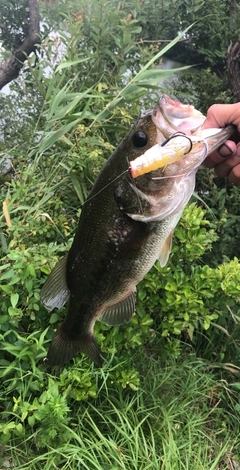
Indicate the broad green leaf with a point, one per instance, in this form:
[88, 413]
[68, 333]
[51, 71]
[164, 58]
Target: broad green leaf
[6, 288]
[4, 266]
[7, 275]
[31, 270]
[14, 299]
[54, 318]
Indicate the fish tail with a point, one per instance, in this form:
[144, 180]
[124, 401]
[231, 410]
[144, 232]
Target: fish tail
[63, 348]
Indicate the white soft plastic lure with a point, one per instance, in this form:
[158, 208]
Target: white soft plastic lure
[160, 155]
[172, 150]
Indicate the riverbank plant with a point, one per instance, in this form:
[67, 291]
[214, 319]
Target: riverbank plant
[180, 416]
[168, 393]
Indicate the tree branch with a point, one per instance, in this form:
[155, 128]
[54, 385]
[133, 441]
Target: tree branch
[9, 70]
[232, 57]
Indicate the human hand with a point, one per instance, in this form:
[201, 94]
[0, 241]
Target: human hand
[225, 160]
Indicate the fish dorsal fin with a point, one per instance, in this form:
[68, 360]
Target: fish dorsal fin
[121, 312]
[166, 250]
[55, 292]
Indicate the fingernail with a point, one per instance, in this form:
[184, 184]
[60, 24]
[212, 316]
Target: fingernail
[225, 151]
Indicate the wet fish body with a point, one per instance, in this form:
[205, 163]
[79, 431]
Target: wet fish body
[126, 224]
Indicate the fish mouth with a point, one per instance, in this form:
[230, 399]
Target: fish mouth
[170, 116]
[179, 154]
[216, 137]
[173, 118]
[182, 144]
[202, 145]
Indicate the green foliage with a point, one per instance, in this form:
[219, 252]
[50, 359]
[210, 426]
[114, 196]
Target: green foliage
[48, 414]
[189, 296]
[14, 23]
[223, 201]
[182, 417]
[207, 41]
[202, 88]
[79, 96]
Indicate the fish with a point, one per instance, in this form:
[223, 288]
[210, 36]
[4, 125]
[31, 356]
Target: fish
[126, 224]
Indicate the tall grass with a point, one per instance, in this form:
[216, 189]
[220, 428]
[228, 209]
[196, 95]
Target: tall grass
[181, 417]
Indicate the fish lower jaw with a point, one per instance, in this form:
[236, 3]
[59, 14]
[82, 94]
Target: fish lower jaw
[161, 208]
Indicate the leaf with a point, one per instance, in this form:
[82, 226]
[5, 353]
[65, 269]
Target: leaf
[6, 213]
[31, 421]
[19, 428]
[69, 63]
[14, 299]
[7, 289]
[31, 270]
[126, 38]
[161, 53]
[53, 136]
[4, 266]
[54, 318]
[56, 100]
[7, 275]
[236, 385]
[63, 111]
[137, 78]
[77, 187]
[159, 73]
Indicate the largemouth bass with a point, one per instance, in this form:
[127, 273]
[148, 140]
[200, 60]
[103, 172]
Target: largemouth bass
[127, 223]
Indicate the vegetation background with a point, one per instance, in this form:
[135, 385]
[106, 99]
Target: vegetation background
[168, 395]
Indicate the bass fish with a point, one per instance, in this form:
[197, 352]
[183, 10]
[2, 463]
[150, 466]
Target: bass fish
[127, 223]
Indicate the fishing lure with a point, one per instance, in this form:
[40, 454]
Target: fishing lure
[160, 155]
[177, 146]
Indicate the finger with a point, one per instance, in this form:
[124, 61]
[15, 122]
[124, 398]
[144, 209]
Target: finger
[224, 168]
[234, 175]
[218, 155]
[226, 150]
[212, 160]
[219, 115]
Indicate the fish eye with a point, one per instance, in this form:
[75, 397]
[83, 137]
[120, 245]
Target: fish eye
[139, 139]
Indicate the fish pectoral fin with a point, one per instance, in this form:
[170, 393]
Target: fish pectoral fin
[55, 292]
[120, 312]
[166, 250]
[63, 348]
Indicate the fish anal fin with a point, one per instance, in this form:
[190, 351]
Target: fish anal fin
[55, 292]
[63, 348]
[120, 312]
[166, 250]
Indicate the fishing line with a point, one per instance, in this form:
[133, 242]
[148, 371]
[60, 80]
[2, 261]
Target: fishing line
[105, 187]
[128, 170]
